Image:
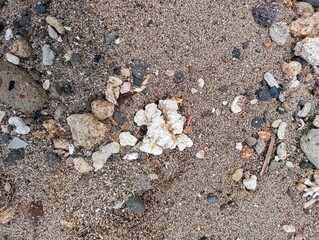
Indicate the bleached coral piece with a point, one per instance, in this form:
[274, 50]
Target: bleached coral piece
[312, 190]
[164, 127]
[127, 139]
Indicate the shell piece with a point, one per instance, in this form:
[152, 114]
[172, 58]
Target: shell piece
[21, 127]
[238, 104]
[127, 139]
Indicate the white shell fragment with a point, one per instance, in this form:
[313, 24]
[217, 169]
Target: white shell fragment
[200, 154]
[281, 130]
[238, 104]
[127, 139]
[164, 127]
[100, 157]
[311, 190]
[131, 156]
[21, 127]
[289, 228]
[250, 183]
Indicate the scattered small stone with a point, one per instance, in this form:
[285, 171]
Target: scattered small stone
[2, 115]
[56, 23]
[314, 3]
[251, 141]
[13, 157]
[267, 116]
[24, 21]
[194, 91]
[310, 145]
[61, 143]
[265, 14]
[274, 164]
[236, 53]
[20, 126]
[257, 122]
[289, 164]
[315, 121]
[46, 84]
[40, 9]
[200, 83]
[250, 183]
[6, 216]
[87, 130]
[306, 165]
[308, 49]
[135, 204]
[102, 109]
[271, 81]
[110, 37]
[238, 104]
[303, 9]
[127, 139]
[281, 110]
[12, 59]
[139, 69]
[120, 118]
[246, 153]
[260, 146]
[131, 156]
[200, 154]
[289, 228]
[5, 138]
[125, 88]
[238, 174]
[81, 165]
[282, 151]
[305, 110]
[48, 55]
[274, 92]
[279, 33]
[263, 94]
[52, 162]
[254, 101]
[301, 103]
[125, 72]
[35, 211]
[8, 35]
[292, 69]
[117, 71]
[212, 199]
[52, 33]
[112, 91]
[179, 77]
[281, 130]
[239, 146]
[21, 48]
[100, 157]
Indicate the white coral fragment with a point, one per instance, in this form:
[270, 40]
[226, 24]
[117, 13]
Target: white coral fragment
[164, 127]
[312, 190]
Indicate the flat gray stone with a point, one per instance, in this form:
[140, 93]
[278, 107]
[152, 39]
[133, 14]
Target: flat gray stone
[135, 204]
[310, 145]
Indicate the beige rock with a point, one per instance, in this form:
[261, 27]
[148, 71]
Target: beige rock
[169, 73]
[7, 215]
[81, 165]
[21, 48]
[289, 228]
[61, 143]
[292, 69]
[125, 72]
[87, 130]
[102, 109]
[306, 27]
[303, 9]
[237, 175]
[112, 91]
[56, 23]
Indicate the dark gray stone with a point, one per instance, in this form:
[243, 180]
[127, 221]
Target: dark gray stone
[265, 14]
[179, 77]
[135, 204]
[139, 69]
[52, 161]
[310, 145]
[120, 118]
[257, 122]
[13, 157]
[212, 199]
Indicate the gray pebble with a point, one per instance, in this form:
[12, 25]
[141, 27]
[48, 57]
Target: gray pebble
[274, 164]
[305, 110]
[257, 122]
[279, 33]
[13, 157]
[310, 145]
[260, 146]
[120, 118]
[110, 37]
[48, 55]
[282, 151]
[251, 141]
[179, 77]
[212, 199]
[139, 69]
[135, 204]
[17, 143]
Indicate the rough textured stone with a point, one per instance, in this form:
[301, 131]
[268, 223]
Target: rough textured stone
[279, 33]
[314, 3]
[135, 204]
[303, 9]
[87, 130]
[56, 23]
[21, 48]
[310, 145]
[292, 69]
[265, 14]
[26, 95]
[81, 165]
[102, 109]
[308, 49]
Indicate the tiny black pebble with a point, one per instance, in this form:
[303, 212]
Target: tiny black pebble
[299, 59]
[299, 77]
[15, 24]
[263, 94]
[281, 110]
[24, 21]
[67, 88]
[120, 118]
[274, 92]
[11, 85]
[306, 165]
[137, 81]
[212, 199]
[203, 238]
[97, 58]
[40, 9]
[1, 26]
[302, 102]
[37, 114]
[236, 53]
[257, 122]
[5, 138]
[245, 45]
[117, 70]
[179, 77]
[263, 83]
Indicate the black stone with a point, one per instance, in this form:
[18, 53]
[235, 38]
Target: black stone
[67, 88]
[306, 165]
[97, 58]
[257, 122]
[235, 53]
[281, 110]
[299, 59]
[1, 26]
[274, 92]
[302, 103]
[13, 157]
[120, 118]
[40, 9]
[137, 81]
[265, 14]
[37, 114]
[24, 21]
[11, 85]
[15, 24]
[245, 45]
[212, 199]
[5, 138]
[263, 94]
[52, 162]
[135, 204]
[263, 83]
[179, 77]
[117, 70]
[139, 69]
[204, 238]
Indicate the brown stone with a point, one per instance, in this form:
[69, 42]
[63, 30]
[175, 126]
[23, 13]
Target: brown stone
[102, 109]
[306, 27]
[21, 48]
[19, 90]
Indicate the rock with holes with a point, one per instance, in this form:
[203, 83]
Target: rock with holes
[18, 90]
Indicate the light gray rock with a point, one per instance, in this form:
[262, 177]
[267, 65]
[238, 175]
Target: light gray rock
[251, 141]
[12, 59]
[308, 49]
[310, 145]
[315, 121]
[281, 130]
[282, 151]
[52, 33]
[305, 110]
[271, 81]
[48, 55]
[260, 146]
[17, 143]
[279, 33]
[20, 126]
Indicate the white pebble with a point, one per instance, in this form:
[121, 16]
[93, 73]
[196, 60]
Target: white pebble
[305, 110]
[131, 156]
[224, 103]
[8, 35]
[71, 149]
[294, 83]
[213, 110]
[282, 151]
[200, 154]
[238, 104]
[12, 59]
[254, 101]
[52, 33]
[276, 123]
[289, 228]
[239, 146]
[200, 83]
[250, 183]
[81, 165]
[46, 84]
[281, 130]
[117, 41]
[48, 55]
[194, 90]
[289, 164]
[315, 121]
[127, 139]
[271, 81]
[21, 127]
